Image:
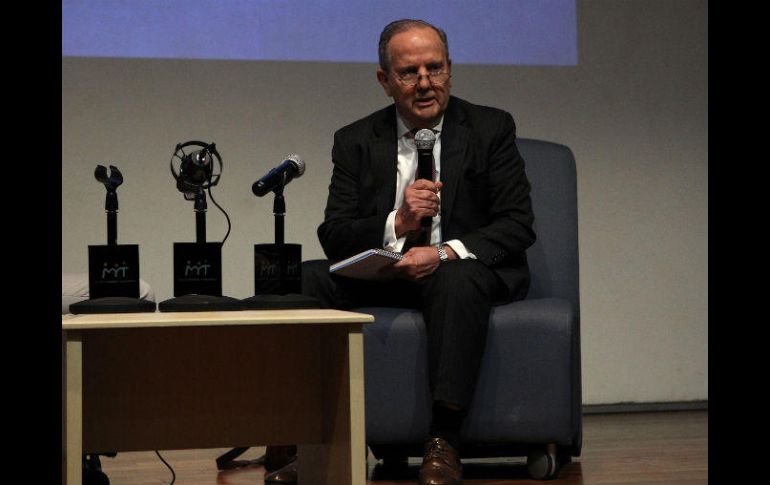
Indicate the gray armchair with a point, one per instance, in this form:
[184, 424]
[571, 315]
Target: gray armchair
[528, 398]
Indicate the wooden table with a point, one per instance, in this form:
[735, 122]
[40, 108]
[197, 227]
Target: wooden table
[190, 380]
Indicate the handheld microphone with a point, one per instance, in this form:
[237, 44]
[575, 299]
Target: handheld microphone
[292, 167]
[424, 140]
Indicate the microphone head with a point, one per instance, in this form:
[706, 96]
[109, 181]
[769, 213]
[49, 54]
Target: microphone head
[196, 167]
[425, 139]
[201, 157]
[298, 162]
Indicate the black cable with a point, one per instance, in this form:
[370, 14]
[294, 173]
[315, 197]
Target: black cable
[173, 475]
[223, 212]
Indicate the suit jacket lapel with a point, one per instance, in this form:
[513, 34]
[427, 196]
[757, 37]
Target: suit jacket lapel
[454, 140]
[384, 159]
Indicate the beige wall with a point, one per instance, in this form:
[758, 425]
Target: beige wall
[634, 112]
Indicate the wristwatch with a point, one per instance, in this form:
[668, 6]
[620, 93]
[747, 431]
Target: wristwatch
[442, 255]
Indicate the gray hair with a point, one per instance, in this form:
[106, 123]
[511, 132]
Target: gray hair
[402, 25]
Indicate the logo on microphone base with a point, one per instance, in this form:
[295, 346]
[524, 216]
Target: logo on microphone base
[113, 270]
[277, 269]
[198, 269]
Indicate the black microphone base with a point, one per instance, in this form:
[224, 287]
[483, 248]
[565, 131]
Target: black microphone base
[290, 301]
[200, 303]
[113, 304]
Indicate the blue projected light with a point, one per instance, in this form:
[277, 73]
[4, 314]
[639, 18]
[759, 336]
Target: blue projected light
[531, 32]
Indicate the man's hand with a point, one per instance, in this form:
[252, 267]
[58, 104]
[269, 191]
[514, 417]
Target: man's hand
[417, 263]
[420, 200]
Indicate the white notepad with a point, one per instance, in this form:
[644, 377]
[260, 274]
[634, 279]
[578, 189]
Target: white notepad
[367, 265]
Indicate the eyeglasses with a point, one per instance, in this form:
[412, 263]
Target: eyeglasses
[412, 78]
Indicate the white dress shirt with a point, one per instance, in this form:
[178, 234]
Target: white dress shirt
[405, 173]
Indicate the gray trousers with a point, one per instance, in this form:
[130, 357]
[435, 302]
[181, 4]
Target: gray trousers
[455, 302]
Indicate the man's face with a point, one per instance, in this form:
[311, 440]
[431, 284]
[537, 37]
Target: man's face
[417, 50]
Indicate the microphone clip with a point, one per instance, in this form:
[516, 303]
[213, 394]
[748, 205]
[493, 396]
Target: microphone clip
[111, 182]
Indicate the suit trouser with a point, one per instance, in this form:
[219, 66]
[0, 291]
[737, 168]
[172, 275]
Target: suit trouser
[455, 301]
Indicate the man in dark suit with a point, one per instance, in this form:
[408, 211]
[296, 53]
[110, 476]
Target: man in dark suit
[473, 255]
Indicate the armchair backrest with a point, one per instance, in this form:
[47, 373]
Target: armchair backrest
[553, 259]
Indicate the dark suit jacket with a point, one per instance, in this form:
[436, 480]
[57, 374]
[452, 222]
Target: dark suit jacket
[485, 199]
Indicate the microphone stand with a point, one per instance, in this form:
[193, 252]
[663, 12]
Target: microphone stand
[111, 207]
[279, 212]
[199, 302]
[281, 300]
[200, 216]
[112, 304]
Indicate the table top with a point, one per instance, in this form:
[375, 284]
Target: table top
[215, 318]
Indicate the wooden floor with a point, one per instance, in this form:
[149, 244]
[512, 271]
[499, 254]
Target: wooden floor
[665, 448]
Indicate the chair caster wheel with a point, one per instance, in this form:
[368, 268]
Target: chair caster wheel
[542, 463]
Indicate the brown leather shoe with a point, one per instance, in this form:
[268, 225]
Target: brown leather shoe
[441, 464]
[286, 475]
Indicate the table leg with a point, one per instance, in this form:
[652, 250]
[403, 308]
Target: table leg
[341, 458]
[73, 413]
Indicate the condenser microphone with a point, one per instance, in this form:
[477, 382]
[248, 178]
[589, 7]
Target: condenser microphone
[424, 140]
[292, 167]
[197, 167]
